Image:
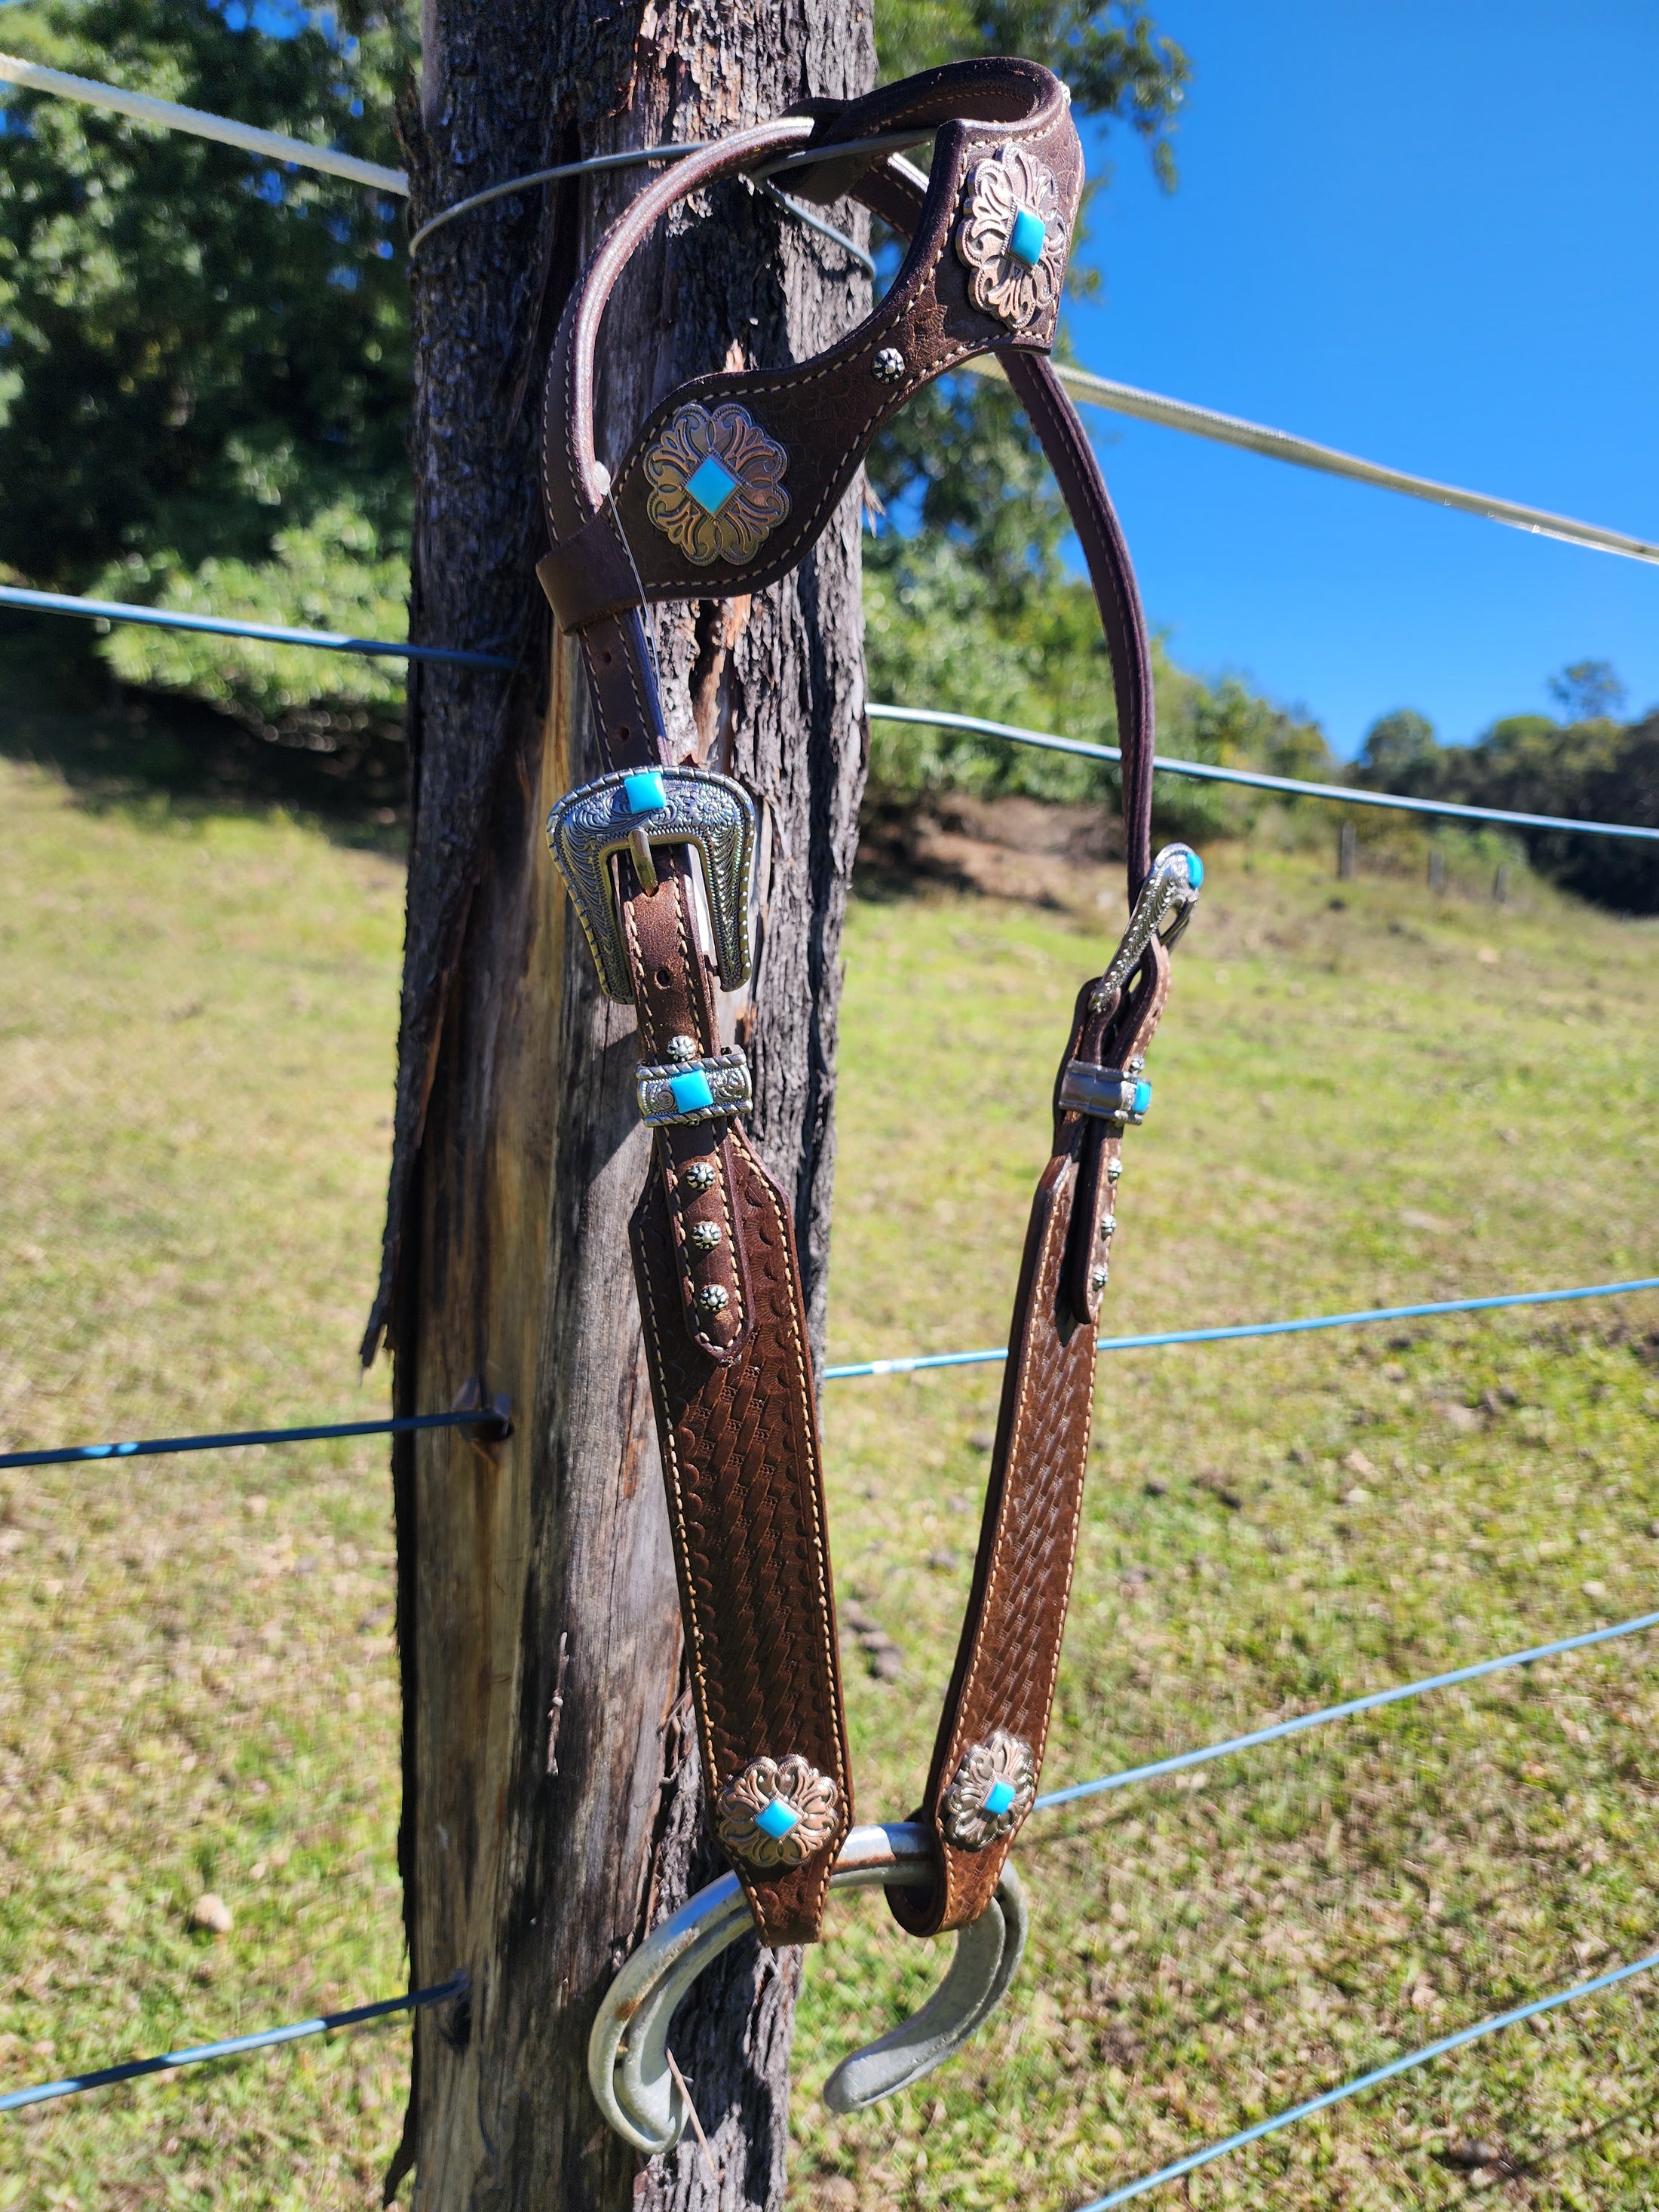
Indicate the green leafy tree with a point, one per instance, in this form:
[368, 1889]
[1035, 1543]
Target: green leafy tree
[1401, 753]
[199, 351]
[1588, 691]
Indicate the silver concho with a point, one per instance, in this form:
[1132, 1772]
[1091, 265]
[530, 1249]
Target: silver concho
[777, 1811]
[1007, 193]
[716, 483]
[699, 808]
[991, 1792]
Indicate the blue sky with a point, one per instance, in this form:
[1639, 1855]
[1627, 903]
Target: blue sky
[1426, 234]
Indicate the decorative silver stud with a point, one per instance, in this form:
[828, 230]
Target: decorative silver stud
[712, 1300]
[1135, 1066]
[1113, 1169]
[1099, 1279]
[700, 1176]
[682, 1048]
[888, 367]
[1108, 1227]
[704, 1235]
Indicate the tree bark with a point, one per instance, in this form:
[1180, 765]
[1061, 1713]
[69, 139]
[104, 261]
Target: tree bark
[552, 1804]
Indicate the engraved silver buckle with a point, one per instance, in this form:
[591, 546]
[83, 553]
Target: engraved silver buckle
[692, 1089]
[1171, 887]
[632, 811]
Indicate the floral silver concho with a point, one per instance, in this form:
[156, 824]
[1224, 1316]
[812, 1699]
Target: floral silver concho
[792, 1782]
[997, 190]
[755, 506]
[1001, 1759]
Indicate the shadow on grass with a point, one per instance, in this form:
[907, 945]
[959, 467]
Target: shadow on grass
[115, 747]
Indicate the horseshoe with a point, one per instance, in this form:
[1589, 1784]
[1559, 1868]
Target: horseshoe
[628, 2064]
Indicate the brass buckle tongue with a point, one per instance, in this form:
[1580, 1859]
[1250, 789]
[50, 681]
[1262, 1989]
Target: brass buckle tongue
[632, 811]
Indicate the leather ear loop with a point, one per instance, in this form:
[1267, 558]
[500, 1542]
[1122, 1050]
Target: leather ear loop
[896, 192]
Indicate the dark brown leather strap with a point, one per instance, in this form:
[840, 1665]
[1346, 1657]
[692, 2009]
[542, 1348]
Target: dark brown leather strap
[727, 486]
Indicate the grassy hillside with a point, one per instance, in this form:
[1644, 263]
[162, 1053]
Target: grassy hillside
[1358, 1100]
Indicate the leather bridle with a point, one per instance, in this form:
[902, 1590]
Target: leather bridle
[725, 488]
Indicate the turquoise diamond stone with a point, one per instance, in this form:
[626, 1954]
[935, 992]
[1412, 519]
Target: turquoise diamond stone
[1143, 1096]
[776, 1820]
[1194, 870]
[644, 792]
[999, 1799]
[711, 484]
[691, 1090]
[1028, 237]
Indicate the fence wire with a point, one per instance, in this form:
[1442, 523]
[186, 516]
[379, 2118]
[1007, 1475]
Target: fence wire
[1374, 2079]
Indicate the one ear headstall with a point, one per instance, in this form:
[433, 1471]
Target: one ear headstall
[727, 486]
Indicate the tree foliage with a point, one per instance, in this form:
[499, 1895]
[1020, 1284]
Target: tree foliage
[1588, 766]
[198, 350]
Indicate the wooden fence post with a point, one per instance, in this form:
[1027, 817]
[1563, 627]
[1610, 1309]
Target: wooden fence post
[552, 1809]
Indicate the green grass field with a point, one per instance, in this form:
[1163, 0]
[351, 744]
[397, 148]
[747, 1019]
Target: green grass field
[1360, 1100]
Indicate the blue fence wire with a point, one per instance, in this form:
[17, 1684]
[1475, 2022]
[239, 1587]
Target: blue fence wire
[61, 603]
[859, 1368]
[1346, 794]
[1374, 2079]
[231, 1439]
[233, 2047]
[1179, 1764]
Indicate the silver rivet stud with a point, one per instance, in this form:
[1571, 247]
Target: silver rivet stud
[712, 1300]
[682, 1048]
[704, 1235]
[888, 367]
[1108, 1226]
[1133, 1066]
[1100, 1278]
[700, 1176]
[1113, 1169]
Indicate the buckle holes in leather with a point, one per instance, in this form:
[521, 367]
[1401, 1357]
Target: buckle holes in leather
[665, 979]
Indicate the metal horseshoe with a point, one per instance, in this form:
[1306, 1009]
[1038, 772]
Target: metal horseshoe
[628, 2064]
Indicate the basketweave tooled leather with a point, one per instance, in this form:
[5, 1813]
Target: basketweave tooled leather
[732, 1391]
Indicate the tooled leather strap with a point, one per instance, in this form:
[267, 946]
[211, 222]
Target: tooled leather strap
[727, 486]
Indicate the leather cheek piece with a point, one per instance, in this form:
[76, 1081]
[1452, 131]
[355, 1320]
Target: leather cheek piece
[1010, 1645]
[742, 1464]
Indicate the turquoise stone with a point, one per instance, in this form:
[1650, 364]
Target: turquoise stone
[1194, 870]
[711, 484]
[1028, 237]
[999, 1799]
[691, 1090]
[643, 792]
[776, 1818]
[1143, 1096]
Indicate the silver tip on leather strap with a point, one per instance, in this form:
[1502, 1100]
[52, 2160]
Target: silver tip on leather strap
[1169, 893]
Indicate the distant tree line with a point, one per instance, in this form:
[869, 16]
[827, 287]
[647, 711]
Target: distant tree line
[1590, 764]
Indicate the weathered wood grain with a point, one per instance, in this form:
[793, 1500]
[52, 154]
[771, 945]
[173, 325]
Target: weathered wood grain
[540, 1841]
